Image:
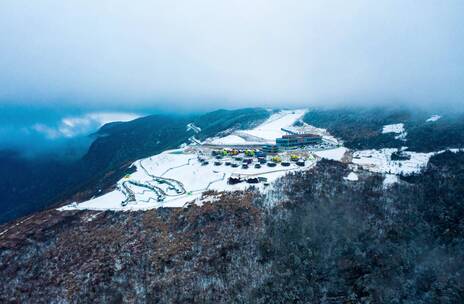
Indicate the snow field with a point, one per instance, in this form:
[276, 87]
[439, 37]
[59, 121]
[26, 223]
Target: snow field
[333, 154]
[380, 161]
[393, 128]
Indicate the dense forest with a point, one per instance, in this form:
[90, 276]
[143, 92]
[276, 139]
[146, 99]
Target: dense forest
[361, 128]
[345, 242]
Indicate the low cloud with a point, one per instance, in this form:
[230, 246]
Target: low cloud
[231, 53]
[73, 126]
[62, 138]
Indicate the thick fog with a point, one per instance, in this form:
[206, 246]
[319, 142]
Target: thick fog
[67, 67]
[206, 54]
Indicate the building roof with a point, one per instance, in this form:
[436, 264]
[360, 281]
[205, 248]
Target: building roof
[306, 135]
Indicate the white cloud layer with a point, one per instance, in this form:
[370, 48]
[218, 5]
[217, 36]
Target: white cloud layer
[261, 52]
[79, 125]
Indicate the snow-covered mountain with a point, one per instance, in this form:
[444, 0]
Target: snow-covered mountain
[179, 176]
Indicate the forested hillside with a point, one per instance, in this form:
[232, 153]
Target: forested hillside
[361, 128]
[317, 238]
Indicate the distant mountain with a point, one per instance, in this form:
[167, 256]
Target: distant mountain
[30, 185]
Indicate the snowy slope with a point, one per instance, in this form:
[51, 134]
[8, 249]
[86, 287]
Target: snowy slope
[188, 170]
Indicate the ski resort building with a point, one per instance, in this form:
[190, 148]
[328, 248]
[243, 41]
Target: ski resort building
[298, 140]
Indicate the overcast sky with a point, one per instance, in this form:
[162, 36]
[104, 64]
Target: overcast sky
[144, 53]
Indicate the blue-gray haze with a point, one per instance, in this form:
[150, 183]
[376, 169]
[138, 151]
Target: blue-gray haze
[74, 57]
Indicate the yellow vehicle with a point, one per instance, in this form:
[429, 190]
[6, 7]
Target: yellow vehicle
[250, 152]
[277, 159]
[294, 157]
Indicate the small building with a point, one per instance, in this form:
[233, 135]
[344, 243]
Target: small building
[270, 149]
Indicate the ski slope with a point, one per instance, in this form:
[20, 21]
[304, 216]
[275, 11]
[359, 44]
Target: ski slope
[266, 132]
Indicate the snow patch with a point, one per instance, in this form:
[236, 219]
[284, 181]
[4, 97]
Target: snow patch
[334, 154]
[433, 118]
[393, 128]
[397, 129]
[389, 180]
[353, 177]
